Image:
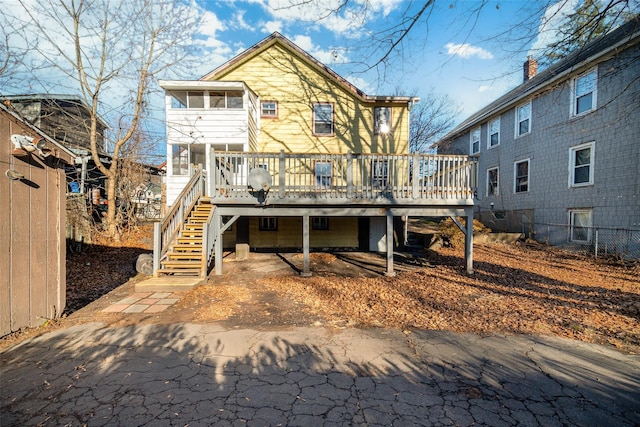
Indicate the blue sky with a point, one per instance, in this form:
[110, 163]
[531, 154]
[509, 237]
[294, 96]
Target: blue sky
[461, 51]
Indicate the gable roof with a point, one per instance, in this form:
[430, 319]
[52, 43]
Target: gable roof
[598, 50]
[50, 141]
[278, 39]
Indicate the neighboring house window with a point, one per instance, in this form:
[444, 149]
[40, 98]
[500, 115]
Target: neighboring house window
[523, 119]
[323, 119]
[269, 109]
[584, 91]
[186, 156]
[494, 133]
[580, 226]
[522, 176]
[379, 173]
[382, 119]
[475, 141]
[324, 174]
[222, 99]
[492, 182]
[319, 223]
[581, 165]
[268, 223]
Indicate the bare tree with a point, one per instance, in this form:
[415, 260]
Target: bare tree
[430, 119]
[110, 52]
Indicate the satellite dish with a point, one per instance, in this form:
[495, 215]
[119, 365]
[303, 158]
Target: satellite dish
[259, 179]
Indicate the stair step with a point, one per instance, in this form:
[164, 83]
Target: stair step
[174, 256]
[186, 248]
[191, 233]
[180, 264]
[186, 272]
[193, 226]
[190, 240]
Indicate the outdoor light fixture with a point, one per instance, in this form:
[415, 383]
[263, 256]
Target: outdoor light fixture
[13, 174]
[29, 144]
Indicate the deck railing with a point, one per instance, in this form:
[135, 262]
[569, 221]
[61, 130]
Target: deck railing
[335, 178]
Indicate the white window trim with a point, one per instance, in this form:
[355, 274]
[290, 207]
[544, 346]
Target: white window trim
[572, 167]
[332, 122]
[594, 98]
[515, 176]
[497, 193]
[269, 116]
[471, 140]
[589, 227]
[489, 146]
[517, 121]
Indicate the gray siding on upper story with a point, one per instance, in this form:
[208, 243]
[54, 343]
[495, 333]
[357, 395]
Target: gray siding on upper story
[613, 128]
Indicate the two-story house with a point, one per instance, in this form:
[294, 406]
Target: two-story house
[291, 155]
[558, 155]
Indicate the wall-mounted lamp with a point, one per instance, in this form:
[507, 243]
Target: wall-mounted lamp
[491, 205]
[14, 175]
[29, 144]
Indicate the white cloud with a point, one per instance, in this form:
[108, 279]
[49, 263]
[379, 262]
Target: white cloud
[273, 26]
[484, 88]
[326, 56]
[465, 50]
[552, 19]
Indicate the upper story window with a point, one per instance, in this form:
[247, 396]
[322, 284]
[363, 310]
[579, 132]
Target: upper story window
[323, 119]
[581, 165]
[492, 181]
[583, 93]
[521, 172]
[523, 119]
[382, 120]
[225, 99]
[475, 141]
[324, 174]
[187, 99]
[493, 133]
[269, 109]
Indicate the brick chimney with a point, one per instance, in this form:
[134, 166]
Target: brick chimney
[530, 68]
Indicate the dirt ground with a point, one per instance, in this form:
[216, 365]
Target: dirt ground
[521, 288]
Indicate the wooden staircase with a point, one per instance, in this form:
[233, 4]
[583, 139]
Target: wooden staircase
[184, 257]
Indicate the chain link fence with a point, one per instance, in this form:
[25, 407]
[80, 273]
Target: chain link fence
[601, 242]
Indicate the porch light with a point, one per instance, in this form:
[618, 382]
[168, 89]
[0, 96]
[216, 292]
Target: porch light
[29, 144]
[14, 175]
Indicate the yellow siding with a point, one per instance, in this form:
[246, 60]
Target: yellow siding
[342, 233]
[276, 74]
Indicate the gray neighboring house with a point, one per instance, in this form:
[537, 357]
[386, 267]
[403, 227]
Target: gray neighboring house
[559, 155]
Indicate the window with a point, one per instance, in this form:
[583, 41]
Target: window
[475, 141]
[492, 182]
[584, 90]
[581, 165]
[522, 176]
[323, 119]
[580, 226]
[379, 173]
[180, 159]
[382, 119]
[494, 133]
[320, 223]
[269, 109]
[268, 223]
[186, 156]
[523, 119]
[187, 99]
[222, 99]
[324, 174]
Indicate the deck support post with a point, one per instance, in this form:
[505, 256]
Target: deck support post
[306, 272]
[468, 241]
[157, 246]
[217, 218]
[389, 237]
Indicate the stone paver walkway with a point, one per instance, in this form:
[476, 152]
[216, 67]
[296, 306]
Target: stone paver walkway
[204, 375]
[144, 302]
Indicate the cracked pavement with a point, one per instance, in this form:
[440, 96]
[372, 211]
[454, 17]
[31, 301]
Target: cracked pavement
[202, 375]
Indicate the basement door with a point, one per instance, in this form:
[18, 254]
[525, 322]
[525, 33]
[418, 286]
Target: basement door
[378, 234]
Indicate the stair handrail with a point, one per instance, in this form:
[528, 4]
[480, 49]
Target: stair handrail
[167, 230]
[209, 236]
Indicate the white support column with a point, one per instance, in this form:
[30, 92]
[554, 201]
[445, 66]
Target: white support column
[218, 242]
[306, 272]
[389, 236]
[468, 244]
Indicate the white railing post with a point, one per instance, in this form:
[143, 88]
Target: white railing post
[281, 175]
